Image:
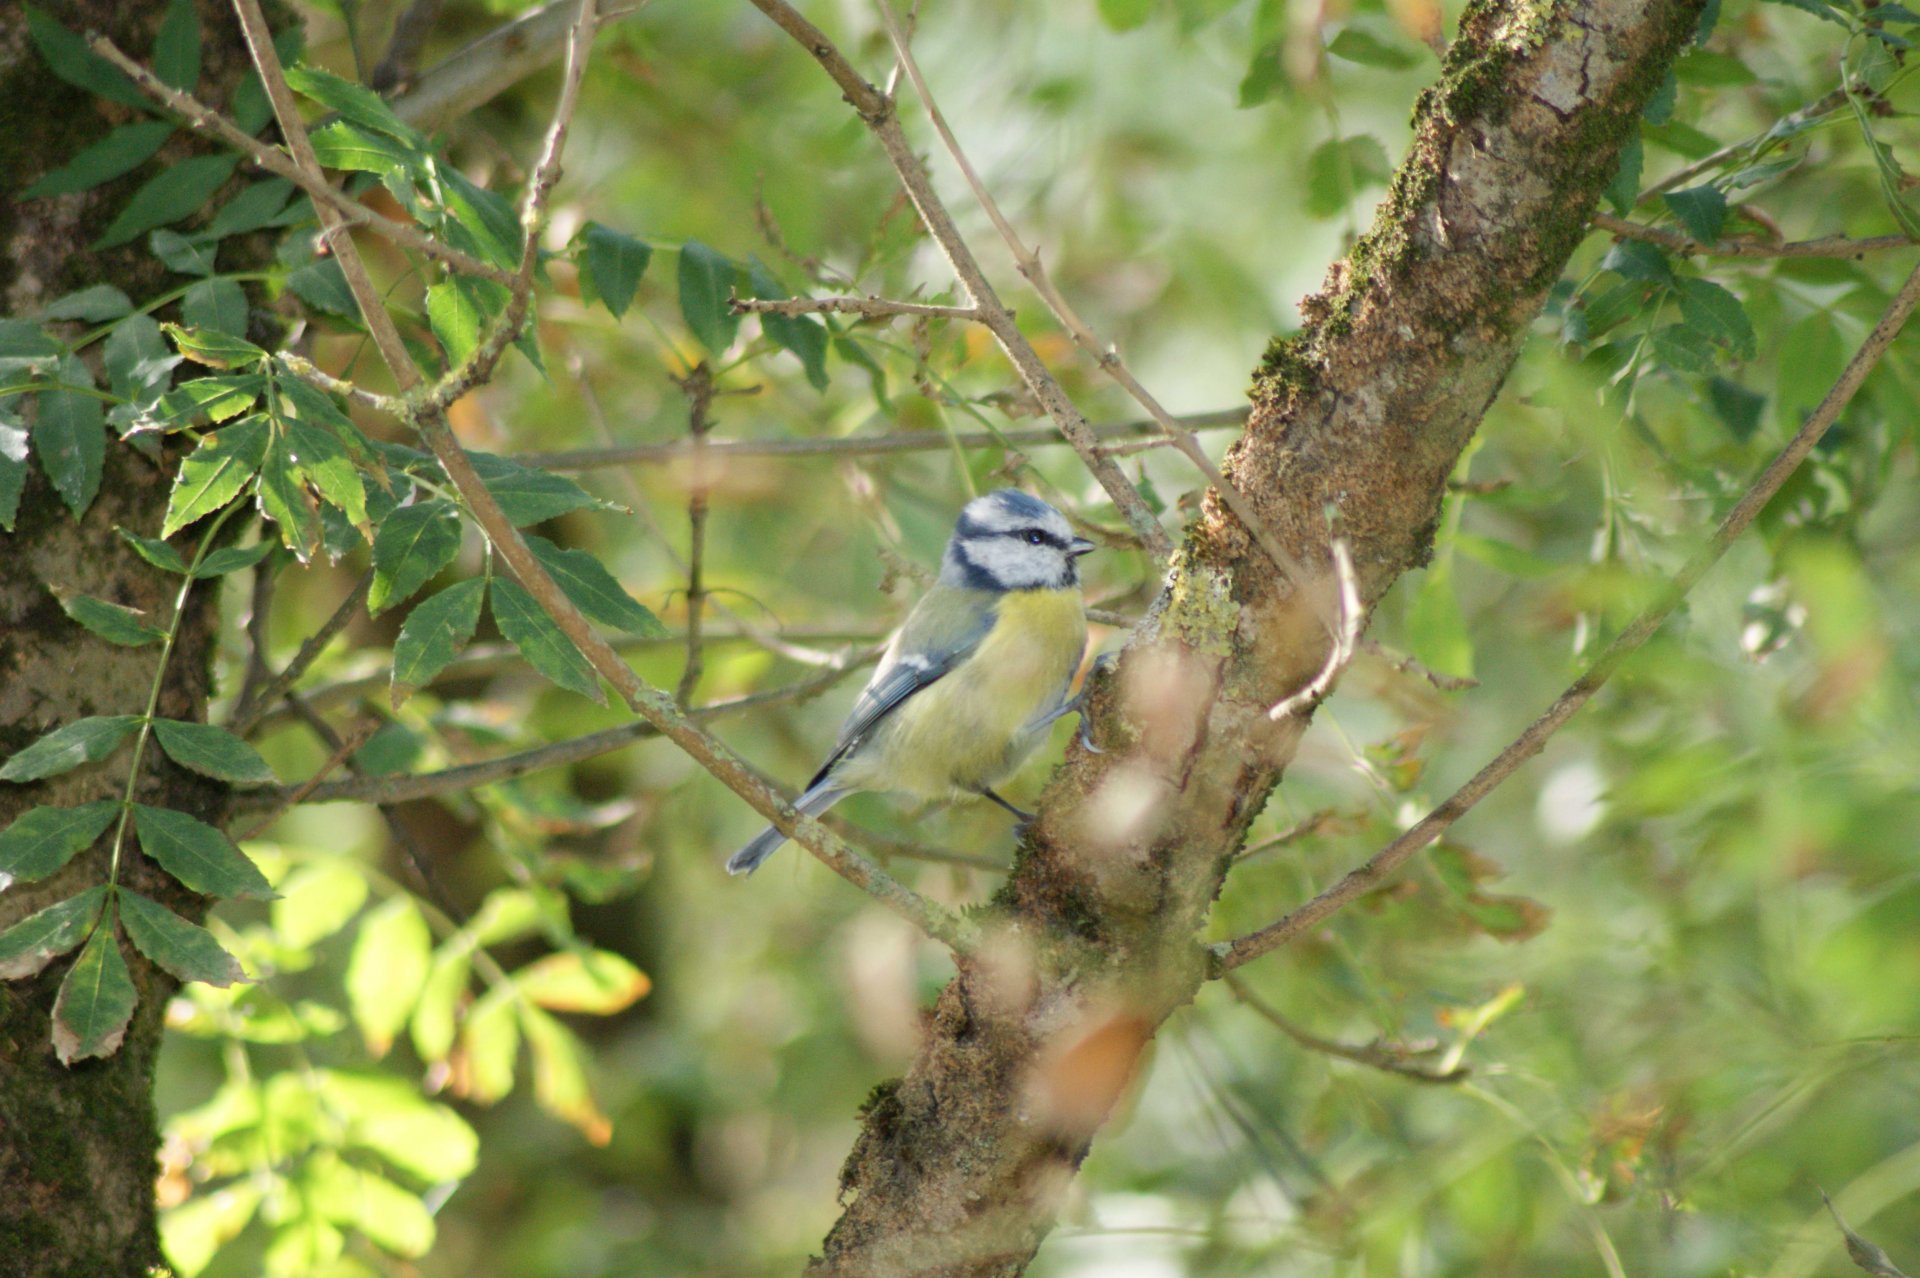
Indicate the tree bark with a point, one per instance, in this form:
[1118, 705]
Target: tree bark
[78, 1145]
[960, 1165]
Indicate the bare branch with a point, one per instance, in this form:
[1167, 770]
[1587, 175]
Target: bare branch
[1391, 1058]
[871, 307]
[1687, 246]
[478, 72]
[909, 441]
[311, 373]
[1231, 954]
[698, 388]
[1407, 665]
[251, 706]
[305, 174]
[410, 32]
[877, 112]
[342, 747]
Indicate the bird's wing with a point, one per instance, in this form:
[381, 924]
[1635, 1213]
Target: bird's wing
[932, 642]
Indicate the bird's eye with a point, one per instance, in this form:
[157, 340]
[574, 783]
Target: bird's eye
[1035, 537]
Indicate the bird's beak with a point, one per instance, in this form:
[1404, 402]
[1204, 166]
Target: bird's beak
[1080, 546]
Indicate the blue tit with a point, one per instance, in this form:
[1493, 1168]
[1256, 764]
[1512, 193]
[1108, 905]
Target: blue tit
[971, 681]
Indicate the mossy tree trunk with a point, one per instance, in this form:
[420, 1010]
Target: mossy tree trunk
[78, 1144]
[961, 1164]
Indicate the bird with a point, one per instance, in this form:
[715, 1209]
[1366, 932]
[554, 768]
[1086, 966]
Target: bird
[970, 682]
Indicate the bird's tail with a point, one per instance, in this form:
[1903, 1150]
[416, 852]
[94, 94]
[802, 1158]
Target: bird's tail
[818, 798]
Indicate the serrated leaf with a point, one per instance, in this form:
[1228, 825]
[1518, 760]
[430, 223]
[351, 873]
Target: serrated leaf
[184, 255]
[257, 205]
[216, 348]
[390, 959]
[25, 347]
[95, 1002]
[284, 499]
[1679, 347]
[217, 306]
[137, 358]
[154, 551]
[43, 839]
[410, 548]
[347, 146]
[197, 854]
[593, 981]
[1624, 191]
[326, 466]
[1717, 314]
[93, 304]
[1635, 260]
[528, 496]
[218, 398]
[123, 150]
[178, 945]
[614, 263]
[70, 59]
[1701, 209]
[707, 281]
[215, 472]
[176, 49]
[594, 590]
[455, 317]
[1358, 45]
[434, 634]
[70, 438]
[13, 470]
[361, 105]
[322, 286]
[540, 641]
[560, 1075]
[67, 747]
[803, 335]
[481, 221]
[116, 623]
[212, 751]
[177, 191]
[232, 559]
[41, 937]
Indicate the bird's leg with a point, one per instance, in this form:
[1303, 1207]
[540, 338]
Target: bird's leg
[1077, 703]
[1024, 818]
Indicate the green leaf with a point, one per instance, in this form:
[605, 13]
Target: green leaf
[432, 1027]
[706, 282]
[804, 335]
[215, 472]
[197, 854]
[1436, 628]
[389, 1216]
[1737, 407]
[258, 204]
[192, 1233]
[43, 839]
[1126, 15]
[317, 900]
[347, 146]
[216, 305]
[593, 589]
[216, 399]
[1339, 169]
[95, 1002]
[560, 1075]
[323, 286]
[1357, 44]
[93, 304]
[410, 548]
[137, 357]
[546, 649]
[121, 151]
[489, 1040]
[388, 966]
[182, 947]
[454, 314]
[25, 346]
[1635, 260]
[1717, 315]
[70, 438]
[598, 982]
[154, 551]
[185, 255]
[284, 499]
[13, 470]
[41, 937]
[176, 49]
[116, 623]
[212, 751]
[389, 1117]
[216, 348]
[359, 104]
[70, 58]
[1818, 8]
[528, 496]
[613, 263]
[326, 466]
[1700, 209]
[1684, 349]
[483, 223]
[175, 192]
[86, 740]
[1624, 191]
[434, 634]
[232, 559]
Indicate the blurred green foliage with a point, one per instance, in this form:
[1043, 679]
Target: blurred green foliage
[1679, 955]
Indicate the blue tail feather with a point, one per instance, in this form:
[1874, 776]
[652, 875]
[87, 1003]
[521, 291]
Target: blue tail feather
[819, 796]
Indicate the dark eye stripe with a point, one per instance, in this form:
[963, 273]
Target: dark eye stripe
[1027, 534]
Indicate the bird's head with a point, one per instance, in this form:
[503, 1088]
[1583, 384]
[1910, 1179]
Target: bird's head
[1008, 540]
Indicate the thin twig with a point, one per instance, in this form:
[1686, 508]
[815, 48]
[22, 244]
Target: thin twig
[908, 441]
[358, 736]
[1231, 954]
[304, 173]
[876, 110]
[308, 371]
[476, 73]
[1389, 1058]
[871, 307]
[1407, 665]
[250, 709]
[1292, 834]
[1686, 173]
[1687, 246]
[258, 606]
[697, 386]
